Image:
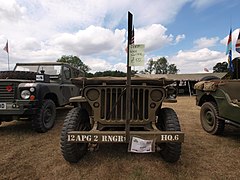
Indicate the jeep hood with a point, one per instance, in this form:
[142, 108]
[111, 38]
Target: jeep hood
[16, 81]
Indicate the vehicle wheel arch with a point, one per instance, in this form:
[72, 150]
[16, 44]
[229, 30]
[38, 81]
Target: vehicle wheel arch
[207, 98]
[53, 97]
[87, 107]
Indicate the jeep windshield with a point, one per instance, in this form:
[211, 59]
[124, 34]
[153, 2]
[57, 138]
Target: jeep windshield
[53, 70]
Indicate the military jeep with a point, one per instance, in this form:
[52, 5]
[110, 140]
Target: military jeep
[32, 91]
[100, 116]
[220, 104]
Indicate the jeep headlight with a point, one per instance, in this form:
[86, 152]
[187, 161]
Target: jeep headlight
[25, 94]
[156, 95]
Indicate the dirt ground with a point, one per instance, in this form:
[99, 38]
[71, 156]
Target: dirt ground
[25, 154]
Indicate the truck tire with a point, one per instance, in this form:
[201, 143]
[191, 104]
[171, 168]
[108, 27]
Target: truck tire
[76, 120]
[26, 75]
[168, 121]
[209, 119]
[45, 118]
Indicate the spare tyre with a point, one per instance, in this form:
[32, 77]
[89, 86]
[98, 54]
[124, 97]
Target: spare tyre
[208, 78]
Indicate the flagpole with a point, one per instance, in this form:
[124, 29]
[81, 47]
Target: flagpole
[8, 61]
[229, 53]
[128, 83]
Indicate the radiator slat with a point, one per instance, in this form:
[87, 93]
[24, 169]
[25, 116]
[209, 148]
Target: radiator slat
[113, 103]
[4, 94]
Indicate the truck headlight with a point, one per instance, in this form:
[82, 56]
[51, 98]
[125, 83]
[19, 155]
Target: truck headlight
[25, 94]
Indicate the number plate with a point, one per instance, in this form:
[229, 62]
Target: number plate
[138, 145]
[3, 106]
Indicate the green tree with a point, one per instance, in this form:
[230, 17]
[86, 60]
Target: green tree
[110, 73]
[133, 72]
[172, 69]
[150, 66]
[161, 66]
[220, 67]
[75, 62]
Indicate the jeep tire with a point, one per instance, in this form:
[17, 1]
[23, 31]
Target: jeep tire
[168, 121]
[45, 118]
[76, 120]
[209, 119]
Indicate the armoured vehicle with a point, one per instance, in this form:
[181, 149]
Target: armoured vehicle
[32, 91]
[100, 116]
[220, 104]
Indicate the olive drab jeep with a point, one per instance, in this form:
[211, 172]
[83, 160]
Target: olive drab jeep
[32, 91]
[100, 116]
[220, 104]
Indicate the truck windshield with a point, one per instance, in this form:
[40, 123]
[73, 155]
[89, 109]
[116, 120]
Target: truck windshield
[53, 70]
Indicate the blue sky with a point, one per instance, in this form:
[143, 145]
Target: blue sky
[190, 33]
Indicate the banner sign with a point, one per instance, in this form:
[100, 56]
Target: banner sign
[136, 55]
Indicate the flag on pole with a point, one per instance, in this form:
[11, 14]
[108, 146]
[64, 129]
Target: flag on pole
[132, 39]
[229, 51]
[238, 43]
[132, 36]
[6, 47]
[206, 69]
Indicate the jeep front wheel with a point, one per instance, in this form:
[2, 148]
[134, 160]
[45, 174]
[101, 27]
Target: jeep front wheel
[76, 120]
[168, 121]
[209, 118]
[45, 118]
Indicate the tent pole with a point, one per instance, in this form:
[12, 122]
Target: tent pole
[189, 88]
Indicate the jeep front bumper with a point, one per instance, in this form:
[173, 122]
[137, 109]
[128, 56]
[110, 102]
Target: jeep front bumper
[96, 136]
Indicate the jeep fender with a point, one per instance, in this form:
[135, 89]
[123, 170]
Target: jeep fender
[82, 102]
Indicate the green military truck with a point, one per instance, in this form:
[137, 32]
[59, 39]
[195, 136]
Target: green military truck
[32, 91]
[220, 104]
[100, 116]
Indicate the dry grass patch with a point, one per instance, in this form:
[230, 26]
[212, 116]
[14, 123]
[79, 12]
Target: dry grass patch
[29, 155]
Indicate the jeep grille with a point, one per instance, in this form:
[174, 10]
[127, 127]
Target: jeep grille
[113, 103]
[5, 94]
[109, 102]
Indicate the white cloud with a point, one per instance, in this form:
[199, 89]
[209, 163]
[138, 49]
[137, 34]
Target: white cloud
[30, 44]
[91, 40]
[11, 11]
[71, 15]
[196, 61]
[43, 30]
[179, 38]
[154, 37]
[120, 67]
[206, 42]
[202, 4]
[98, 64]
[158, 11]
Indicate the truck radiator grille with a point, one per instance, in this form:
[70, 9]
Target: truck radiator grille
[113, 103]
[6, 92]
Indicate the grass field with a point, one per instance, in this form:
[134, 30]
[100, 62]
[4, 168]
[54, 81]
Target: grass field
[25, 154]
